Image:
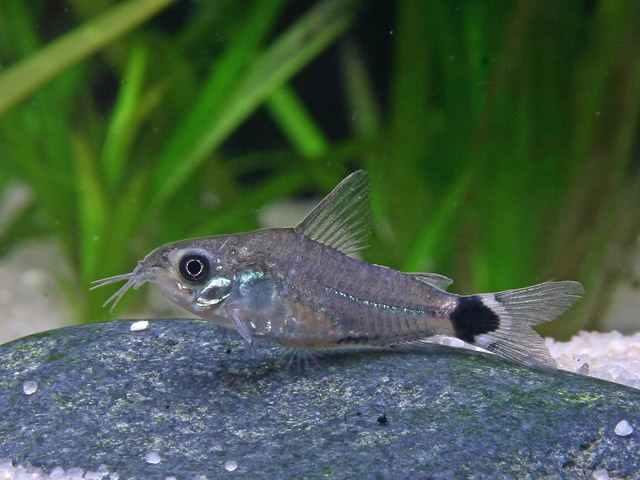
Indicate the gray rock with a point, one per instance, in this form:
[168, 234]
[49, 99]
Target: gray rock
[182, 389]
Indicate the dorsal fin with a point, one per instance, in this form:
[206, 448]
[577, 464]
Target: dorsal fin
[434, 279]
[342, 220]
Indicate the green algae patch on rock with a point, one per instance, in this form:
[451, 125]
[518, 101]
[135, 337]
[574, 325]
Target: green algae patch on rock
[186, 395]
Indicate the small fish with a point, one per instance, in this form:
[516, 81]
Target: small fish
[299, 288]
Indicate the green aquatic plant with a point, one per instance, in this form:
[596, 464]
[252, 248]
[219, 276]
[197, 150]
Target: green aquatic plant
[499, 135]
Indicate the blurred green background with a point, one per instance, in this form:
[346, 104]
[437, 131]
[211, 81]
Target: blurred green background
[501, 136]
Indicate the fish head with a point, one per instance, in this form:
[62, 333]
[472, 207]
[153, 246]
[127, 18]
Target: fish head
[195, 274]
[190, 275]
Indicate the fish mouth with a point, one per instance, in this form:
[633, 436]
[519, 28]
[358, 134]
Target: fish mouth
[135, 279]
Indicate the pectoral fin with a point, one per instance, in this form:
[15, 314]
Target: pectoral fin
[241, 326]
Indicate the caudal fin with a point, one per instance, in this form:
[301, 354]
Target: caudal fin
[501, 322]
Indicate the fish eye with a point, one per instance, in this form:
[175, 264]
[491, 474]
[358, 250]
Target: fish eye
[194, 267]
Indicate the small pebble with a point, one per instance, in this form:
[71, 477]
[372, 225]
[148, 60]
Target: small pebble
[583, 369]
[153, 458]
[30, 387]
[230, 465]
[139, 325]
[600, 474]
[453, 342]
[57, 472]
[75, 473]
[623, 428]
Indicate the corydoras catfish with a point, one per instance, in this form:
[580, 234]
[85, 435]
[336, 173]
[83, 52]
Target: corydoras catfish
[299, 287]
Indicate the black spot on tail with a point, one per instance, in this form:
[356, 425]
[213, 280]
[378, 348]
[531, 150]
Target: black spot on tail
[472, 317]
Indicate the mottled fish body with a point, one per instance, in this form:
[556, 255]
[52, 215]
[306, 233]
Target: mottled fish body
[299, 288]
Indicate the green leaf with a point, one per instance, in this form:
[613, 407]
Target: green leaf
[433, 232]
[406, 200]
[207, 108]
[365, 111]
[92, 209]
[123, 120]
[297, 123]
[286, 56]
[29, 74]
[305, 135]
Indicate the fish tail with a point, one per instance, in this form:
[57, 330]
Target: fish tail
[501, 322]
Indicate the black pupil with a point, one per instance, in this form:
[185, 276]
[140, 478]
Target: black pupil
[194, 267]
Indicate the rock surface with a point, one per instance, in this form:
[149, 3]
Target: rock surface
[182, 393]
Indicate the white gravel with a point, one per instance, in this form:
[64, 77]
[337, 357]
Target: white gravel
[609, 356]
